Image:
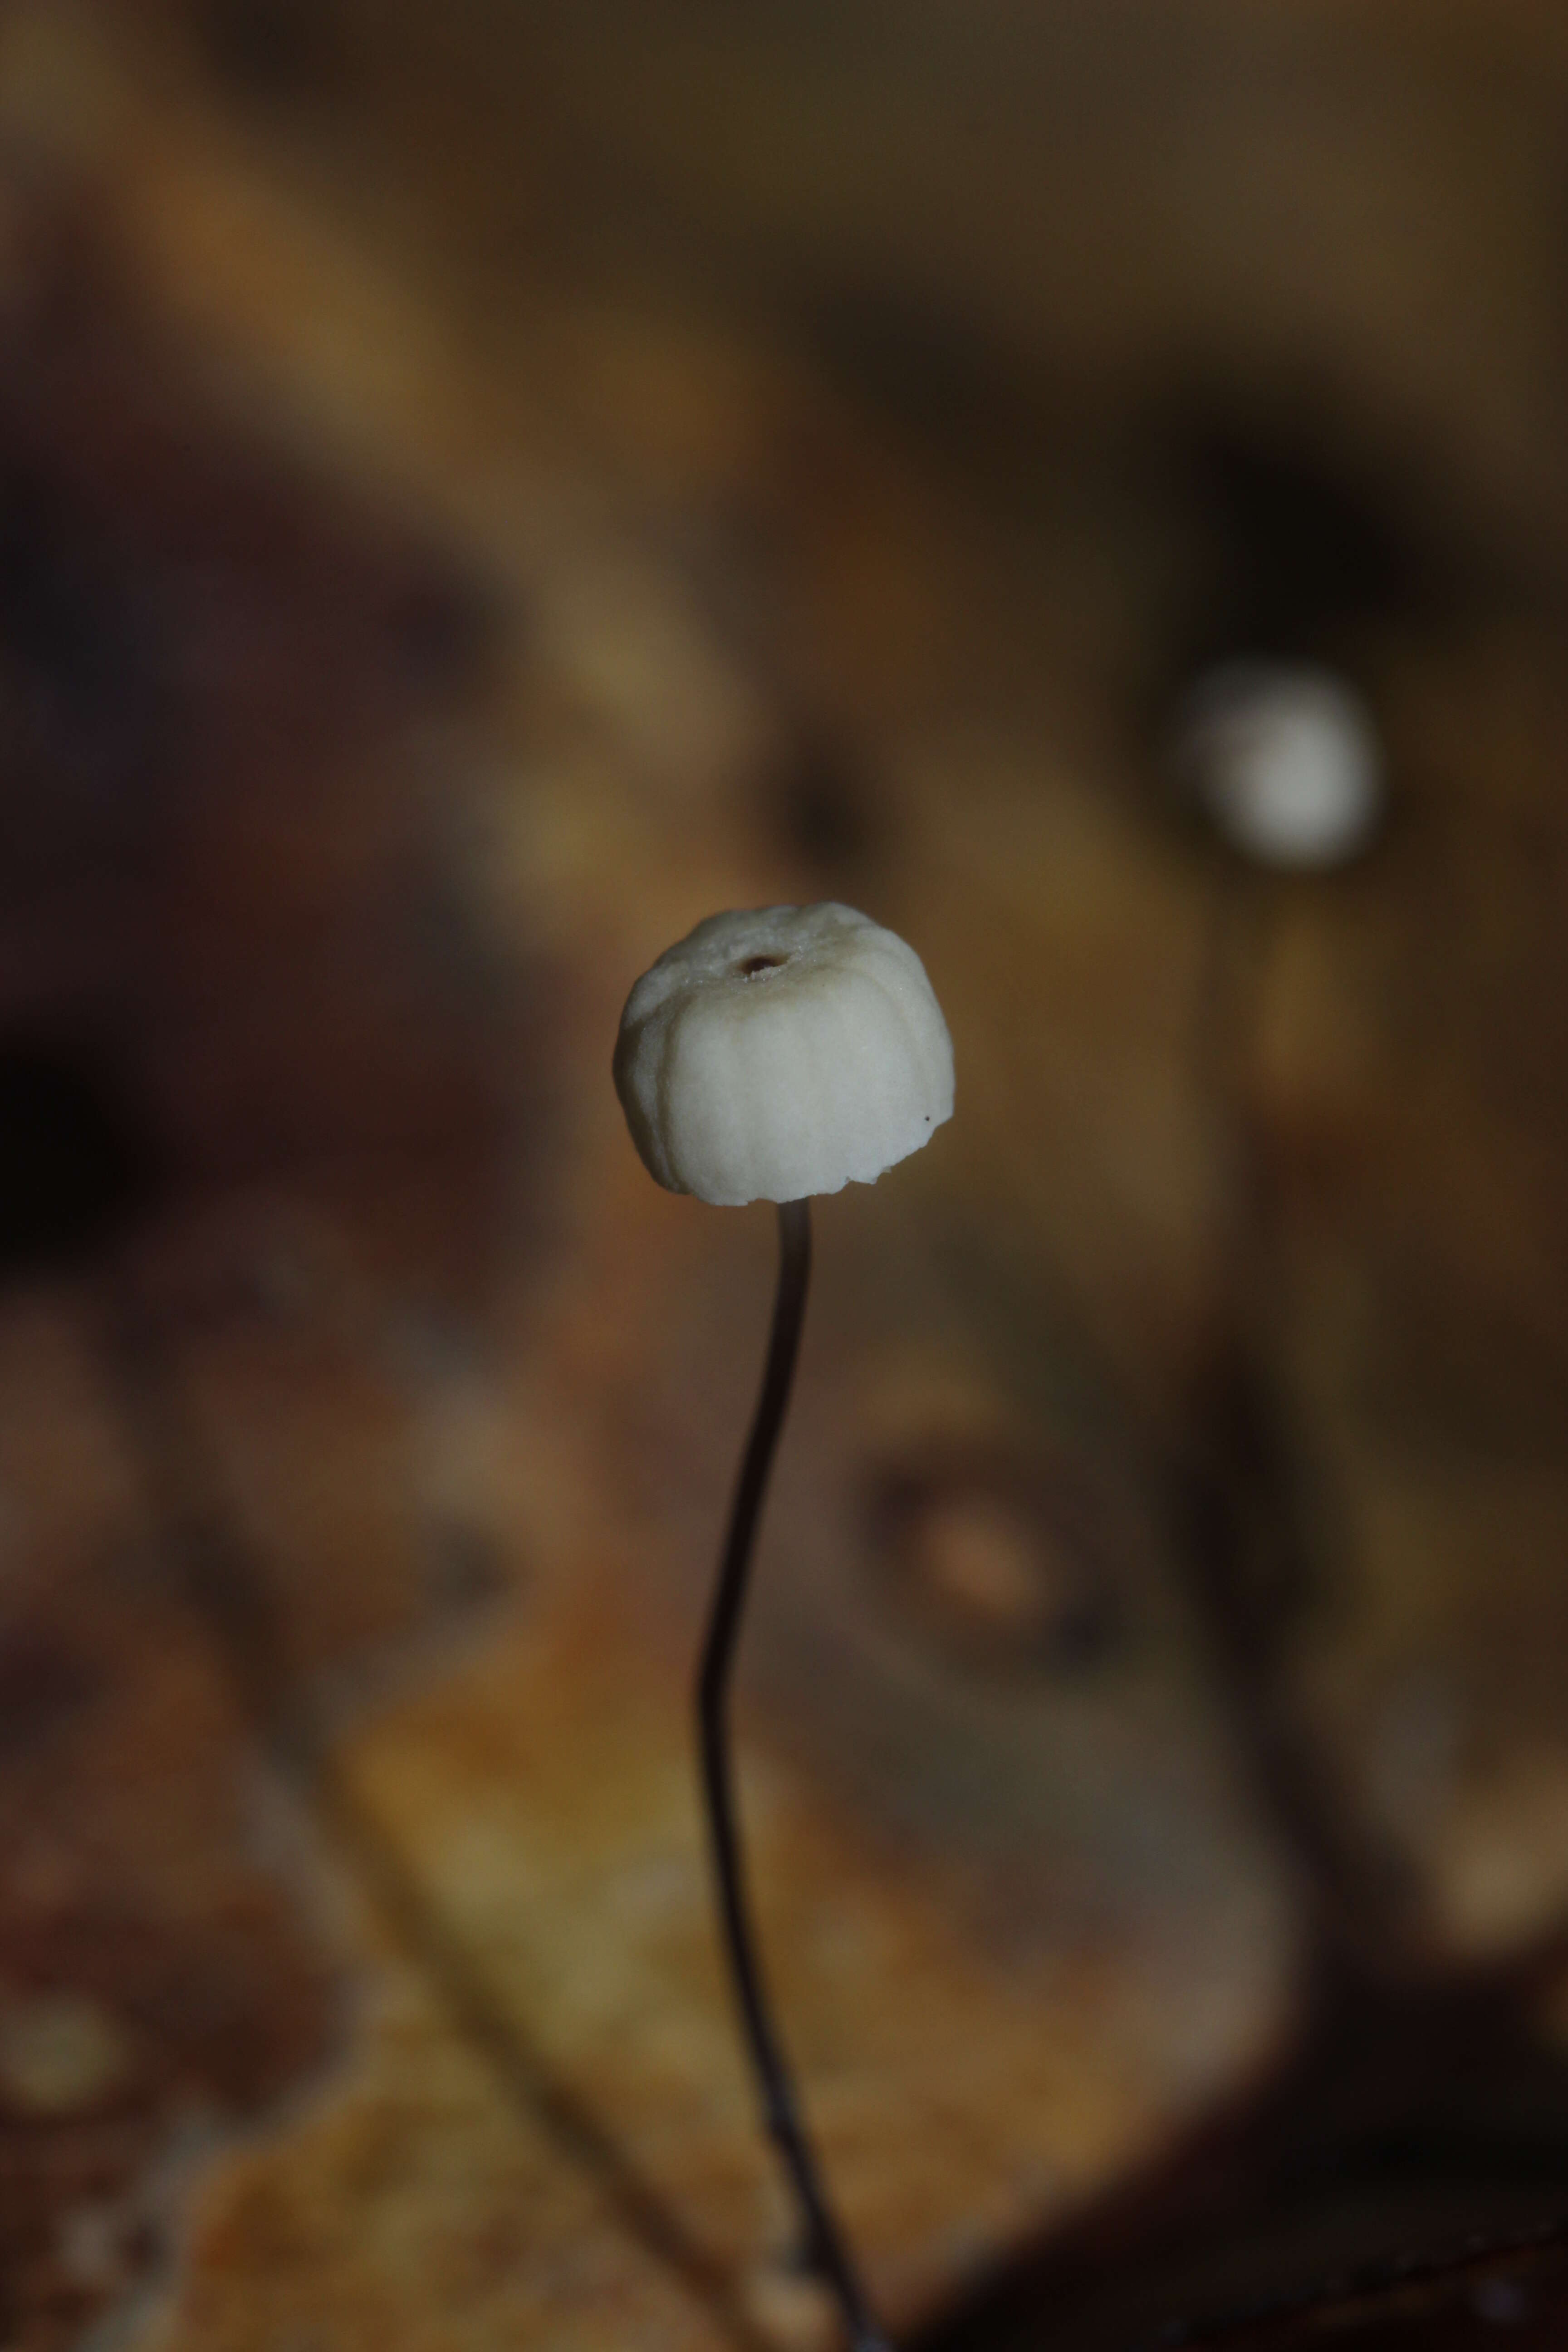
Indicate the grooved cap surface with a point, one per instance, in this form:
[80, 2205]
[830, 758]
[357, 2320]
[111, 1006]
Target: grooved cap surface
[779, 1052]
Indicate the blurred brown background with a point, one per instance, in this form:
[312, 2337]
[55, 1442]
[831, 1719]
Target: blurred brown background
[481, 489]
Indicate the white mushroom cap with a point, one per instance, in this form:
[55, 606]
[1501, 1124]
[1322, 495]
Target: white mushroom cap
[782, 1051]
[1286, 760]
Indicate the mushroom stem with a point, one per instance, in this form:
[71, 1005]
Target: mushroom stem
[824, 2244]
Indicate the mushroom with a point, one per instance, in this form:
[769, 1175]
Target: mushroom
[1285, 760]
[772, 1054]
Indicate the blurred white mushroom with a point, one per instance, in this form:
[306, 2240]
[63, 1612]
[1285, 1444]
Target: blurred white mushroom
[1285, 759]
[781, 1052]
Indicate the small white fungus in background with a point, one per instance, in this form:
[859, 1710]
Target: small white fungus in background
[1285, 758]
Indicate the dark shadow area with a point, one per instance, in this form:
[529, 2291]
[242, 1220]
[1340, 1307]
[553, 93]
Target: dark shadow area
[79, 1163]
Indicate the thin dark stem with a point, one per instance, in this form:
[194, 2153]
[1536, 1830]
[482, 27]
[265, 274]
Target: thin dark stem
[1249, 1537]
[826, 2246]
